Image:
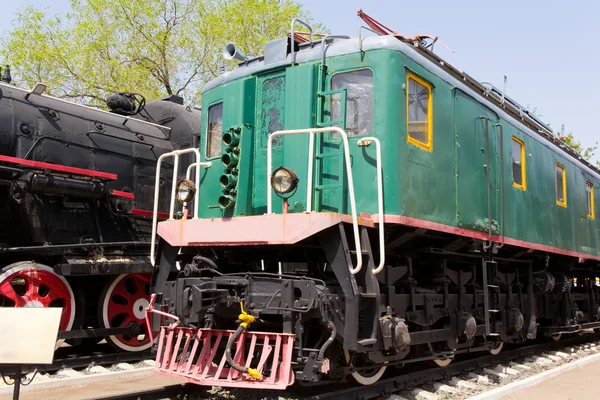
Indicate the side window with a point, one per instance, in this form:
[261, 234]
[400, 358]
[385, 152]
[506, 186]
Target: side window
[359, 100]
[214, 132]
[561, 185]
[419, 106]
[589, 188]
[518, 164]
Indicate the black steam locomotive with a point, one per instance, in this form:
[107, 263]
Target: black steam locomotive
[76, 193]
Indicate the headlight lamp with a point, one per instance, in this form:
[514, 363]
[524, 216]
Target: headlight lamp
[284, 180]
[185, 190]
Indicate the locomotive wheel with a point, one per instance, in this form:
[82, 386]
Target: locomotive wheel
[122, 302]
[497, 348]
[439, 362]
[556, 337]
[27, 284]
[365, 376]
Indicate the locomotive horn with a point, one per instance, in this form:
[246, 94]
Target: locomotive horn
[230, 51]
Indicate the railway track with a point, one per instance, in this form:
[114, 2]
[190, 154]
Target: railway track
[464, 378]
[75, 358]
[72, 366]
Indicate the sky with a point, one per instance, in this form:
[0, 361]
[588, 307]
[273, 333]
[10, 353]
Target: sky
[548, 49]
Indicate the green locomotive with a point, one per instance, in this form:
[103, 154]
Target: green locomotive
[360, 203]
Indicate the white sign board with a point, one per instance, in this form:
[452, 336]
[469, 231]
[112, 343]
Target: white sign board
[28, 335]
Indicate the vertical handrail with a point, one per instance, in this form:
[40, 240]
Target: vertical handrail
[486, 246]
[502, 182]
[312, 132]
[188, 173]
[309, 179]
[175, 154]
[486, 300]
[293, 35]
[366, 141]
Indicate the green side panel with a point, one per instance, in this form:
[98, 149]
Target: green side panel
[518, 218]
[477, 165]
[427, 188]
[238, 105]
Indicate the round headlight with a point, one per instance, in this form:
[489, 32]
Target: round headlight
[284, 180]
[185, 190]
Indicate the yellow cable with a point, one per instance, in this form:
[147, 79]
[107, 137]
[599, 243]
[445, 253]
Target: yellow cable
[254, 373]
[246, 318]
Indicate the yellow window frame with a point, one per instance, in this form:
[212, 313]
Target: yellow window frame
[564, 184]
[429, 145]
[592, 205]
[523, 186]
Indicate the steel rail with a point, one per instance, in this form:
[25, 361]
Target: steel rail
[70, 360]
[385, 387]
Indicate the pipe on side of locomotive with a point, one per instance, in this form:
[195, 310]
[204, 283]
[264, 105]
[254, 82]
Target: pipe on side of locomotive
[63, 186]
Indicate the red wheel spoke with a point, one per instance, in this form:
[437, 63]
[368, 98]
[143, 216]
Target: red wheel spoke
[33, 287]
[122, 291]
[6, 290]
[115, 309]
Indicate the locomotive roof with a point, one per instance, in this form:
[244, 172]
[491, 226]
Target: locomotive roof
[428, 60]
[117, 118]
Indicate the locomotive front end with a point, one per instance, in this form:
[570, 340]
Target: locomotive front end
[260, 267]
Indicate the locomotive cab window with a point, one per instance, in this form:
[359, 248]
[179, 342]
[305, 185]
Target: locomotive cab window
[561, 185]
[419, 113]
[214, 131]
[589, 189]
[518, 163]
[359, 100]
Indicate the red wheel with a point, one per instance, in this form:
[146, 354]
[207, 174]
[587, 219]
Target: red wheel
[124, 301]
[27, 284]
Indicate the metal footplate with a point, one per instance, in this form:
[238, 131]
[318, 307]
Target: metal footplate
[199, 356]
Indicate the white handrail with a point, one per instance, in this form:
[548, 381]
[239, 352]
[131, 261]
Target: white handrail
[176, 155]
[205, 164]
[311, 132]
[188, 173]
[366, 141]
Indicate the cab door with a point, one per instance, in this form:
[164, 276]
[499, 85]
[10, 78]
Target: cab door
[270, 117]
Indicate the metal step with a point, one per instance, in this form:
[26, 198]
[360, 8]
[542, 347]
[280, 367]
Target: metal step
[363, 252]
[328, 155]
[368, 295]
[367, 342]
[325, 187]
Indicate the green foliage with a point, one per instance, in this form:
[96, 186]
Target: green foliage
[151, 47]
[586, 152]
[569, 139]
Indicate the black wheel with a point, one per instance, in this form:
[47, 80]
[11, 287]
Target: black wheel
[367, 376]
